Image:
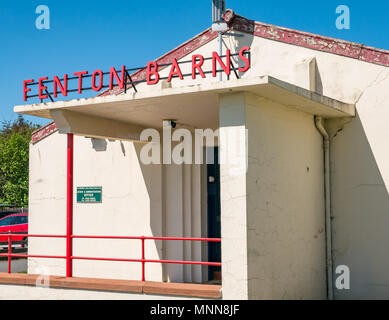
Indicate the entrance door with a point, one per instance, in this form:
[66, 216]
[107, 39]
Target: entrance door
[213, 215]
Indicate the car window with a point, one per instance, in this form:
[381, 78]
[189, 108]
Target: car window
[6, 221]
[19, 220]
[15, 220]
[23, 219]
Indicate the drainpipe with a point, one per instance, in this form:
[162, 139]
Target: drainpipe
[327, 195]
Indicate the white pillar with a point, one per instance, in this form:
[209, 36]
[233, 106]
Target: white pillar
[233, 198]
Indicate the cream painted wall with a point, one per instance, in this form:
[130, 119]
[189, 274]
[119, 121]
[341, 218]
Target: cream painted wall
[360, 213]
[359, 159]
[359, 163]
[138, 199]
[272, 215]
[47, 203]
[233, 195]
[285, 203]
[359, 154]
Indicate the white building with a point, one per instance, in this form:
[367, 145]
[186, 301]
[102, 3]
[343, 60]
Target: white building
[303, 207]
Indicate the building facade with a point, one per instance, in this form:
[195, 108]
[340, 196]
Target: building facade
[312, 195]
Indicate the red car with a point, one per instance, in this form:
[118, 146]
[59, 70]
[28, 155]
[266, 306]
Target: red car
[14, 223]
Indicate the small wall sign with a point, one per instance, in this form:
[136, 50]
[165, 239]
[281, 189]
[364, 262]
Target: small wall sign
[89, 194]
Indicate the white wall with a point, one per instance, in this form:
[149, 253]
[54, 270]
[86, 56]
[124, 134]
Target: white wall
[138, 199]
[359, 155]
[47, 202]
[233, 195]
[285, 203]
[360, 207]
[272, 215]
[359, 163]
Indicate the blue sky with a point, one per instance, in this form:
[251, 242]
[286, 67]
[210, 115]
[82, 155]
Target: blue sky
[91, 34]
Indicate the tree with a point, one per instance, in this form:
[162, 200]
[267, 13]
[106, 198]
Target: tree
[15, 139]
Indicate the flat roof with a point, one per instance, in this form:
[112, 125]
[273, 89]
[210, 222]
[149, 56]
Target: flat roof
[195, 105]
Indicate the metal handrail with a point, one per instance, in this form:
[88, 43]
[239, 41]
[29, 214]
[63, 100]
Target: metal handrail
[142, 260]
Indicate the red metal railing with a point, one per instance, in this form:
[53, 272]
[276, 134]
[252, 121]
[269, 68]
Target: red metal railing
[69, 204]
[142, 260]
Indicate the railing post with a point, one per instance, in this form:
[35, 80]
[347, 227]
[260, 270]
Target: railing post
[69, 207]
[125, 80]
[143, 258]
[9, 252]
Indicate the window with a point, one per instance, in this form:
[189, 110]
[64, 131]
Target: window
[19, 220]
[6, 221]
[24, 219]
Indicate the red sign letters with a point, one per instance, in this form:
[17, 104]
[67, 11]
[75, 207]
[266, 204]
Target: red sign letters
[152, 75]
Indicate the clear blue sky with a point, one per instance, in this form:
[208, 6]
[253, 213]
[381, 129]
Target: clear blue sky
[90, 34]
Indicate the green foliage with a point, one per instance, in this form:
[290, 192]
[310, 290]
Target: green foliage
[15, 138]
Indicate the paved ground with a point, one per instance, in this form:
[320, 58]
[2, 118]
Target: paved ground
[17, 265]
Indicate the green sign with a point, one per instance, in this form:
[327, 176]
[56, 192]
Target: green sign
[89, 194]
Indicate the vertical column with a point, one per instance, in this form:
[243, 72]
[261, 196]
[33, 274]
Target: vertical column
[69, 207]
[196, 221]
[233, 194]
[173, 198]
[187, 219]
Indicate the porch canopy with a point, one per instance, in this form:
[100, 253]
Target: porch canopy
[124, 116]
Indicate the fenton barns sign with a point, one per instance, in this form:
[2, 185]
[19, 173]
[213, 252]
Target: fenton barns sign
[82, 80]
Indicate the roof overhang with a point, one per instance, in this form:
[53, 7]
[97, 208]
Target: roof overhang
[193, 105]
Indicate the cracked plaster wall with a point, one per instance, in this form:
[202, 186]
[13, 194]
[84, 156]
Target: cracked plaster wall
[273, 216]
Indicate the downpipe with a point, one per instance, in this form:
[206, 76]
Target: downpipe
[327, 195]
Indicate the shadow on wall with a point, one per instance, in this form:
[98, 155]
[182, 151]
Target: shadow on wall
[153, 186]
[99, 144]
[168, 194]
[360, 209]
[165, 190]
[318, 82]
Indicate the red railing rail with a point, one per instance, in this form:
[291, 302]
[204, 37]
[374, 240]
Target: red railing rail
[142, 260]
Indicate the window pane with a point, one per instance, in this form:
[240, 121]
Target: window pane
[6, 221]
[17, 220]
